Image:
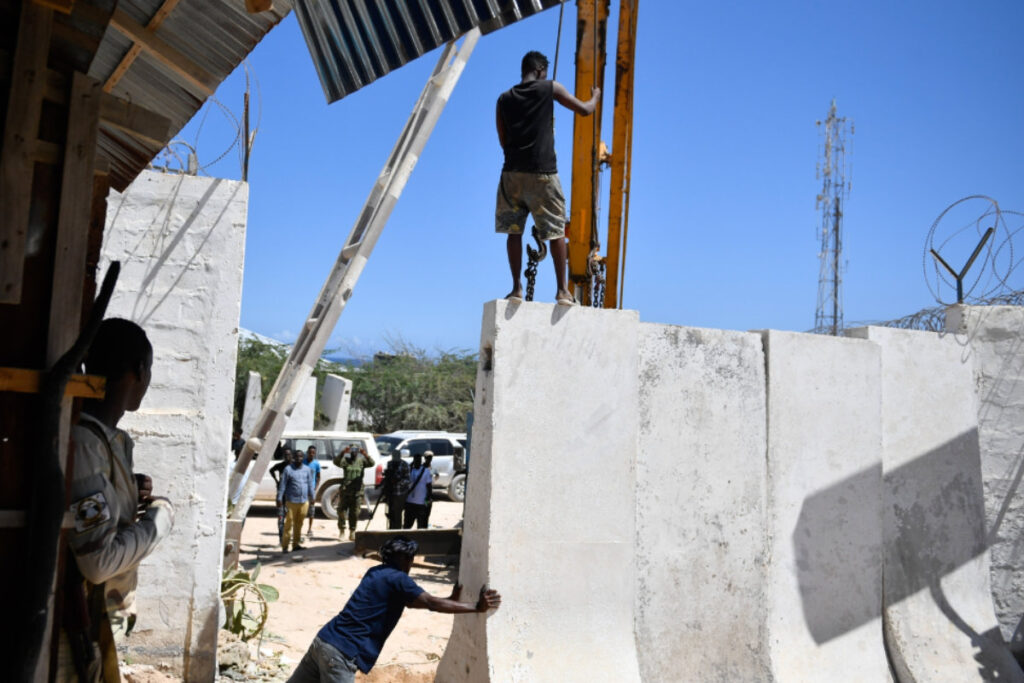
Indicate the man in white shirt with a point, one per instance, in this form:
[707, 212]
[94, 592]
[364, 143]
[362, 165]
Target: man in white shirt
[416, 501]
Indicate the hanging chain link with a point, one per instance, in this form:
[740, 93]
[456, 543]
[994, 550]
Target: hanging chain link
[534, 257]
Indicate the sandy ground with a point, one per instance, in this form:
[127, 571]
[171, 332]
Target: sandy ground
[315, 583]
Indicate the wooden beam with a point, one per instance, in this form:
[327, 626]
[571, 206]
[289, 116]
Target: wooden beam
[122, 67]
[256, 6]
[64, 6]
[170, 57]
[28, 78]
[140, 123]
[24, 381]
[73, 219]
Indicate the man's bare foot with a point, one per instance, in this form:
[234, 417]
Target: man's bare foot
[515, 296]
[564, 298]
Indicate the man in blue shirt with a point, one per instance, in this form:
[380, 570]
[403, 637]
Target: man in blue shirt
[296, 493]
[353, 639]
[313, 464]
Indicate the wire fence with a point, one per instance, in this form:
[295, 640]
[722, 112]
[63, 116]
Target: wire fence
[984, 282]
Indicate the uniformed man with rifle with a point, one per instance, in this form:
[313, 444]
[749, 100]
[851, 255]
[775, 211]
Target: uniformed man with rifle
[353, 460]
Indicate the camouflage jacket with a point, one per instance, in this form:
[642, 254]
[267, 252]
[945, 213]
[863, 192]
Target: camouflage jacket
[109, 538]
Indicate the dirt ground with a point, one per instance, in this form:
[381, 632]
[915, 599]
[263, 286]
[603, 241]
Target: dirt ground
[315, 583]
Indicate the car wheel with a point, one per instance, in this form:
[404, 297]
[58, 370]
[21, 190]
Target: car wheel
[457, 488]
[330, 500]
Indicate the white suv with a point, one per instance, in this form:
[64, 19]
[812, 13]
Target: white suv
[328, 445]
[449, 463]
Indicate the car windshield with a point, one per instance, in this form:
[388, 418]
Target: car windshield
[386, 443]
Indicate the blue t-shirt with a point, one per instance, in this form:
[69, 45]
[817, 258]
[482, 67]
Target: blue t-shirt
[370, 615]
[314, 465]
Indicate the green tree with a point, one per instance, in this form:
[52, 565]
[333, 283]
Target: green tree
[407, 389]
[267, 359]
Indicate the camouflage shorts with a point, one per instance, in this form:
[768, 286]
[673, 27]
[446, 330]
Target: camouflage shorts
[539, 194]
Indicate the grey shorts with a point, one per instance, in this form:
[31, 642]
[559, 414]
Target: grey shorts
[520, 194]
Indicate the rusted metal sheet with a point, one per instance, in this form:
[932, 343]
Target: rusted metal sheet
[355, 42]
[216, 36]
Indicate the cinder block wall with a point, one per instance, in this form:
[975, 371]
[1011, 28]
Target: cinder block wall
[181, 241]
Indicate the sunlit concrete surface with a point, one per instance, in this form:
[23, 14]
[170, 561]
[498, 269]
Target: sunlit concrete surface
[181, 240]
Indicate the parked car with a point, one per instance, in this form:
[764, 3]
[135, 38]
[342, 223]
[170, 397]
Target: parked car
[328, 445]
[448, 465]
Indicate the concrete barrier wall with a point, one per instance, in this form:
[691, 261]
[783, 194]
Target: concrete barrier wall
[936, 564]
[549, 520]
[335, 401]
[824, 501]
[992, 338]
[700, 487]
[732, 485]
[180, 240]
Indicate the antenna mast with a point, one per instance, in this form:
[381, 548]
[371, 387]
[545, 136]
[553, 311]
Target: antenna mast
[835, 189]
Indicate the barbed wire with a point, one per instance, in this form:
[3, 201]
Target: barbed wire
[989, 276]
[169, 159]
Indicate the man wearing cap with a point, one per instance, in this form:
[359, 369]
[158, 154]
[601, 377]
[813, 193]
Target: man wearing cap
[353, 639]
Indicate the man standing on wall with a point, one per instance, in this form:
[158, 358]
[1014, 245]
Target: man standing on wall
[296, 493]
[529, 182]
[117, 520]
[313, 464]
[353, 460]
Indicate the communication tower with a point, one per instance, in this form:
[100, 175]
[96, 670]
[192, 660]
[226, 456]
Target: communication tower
[833, 170]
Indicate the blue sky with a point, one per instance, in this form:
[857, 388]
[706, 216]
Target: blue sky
[723, 225]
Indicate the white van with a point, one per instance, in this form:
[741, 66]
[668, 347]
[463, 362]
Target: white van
[328, 445]
[449, 463]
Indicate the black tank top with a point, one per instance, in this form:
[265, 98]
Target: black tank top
[527, 110]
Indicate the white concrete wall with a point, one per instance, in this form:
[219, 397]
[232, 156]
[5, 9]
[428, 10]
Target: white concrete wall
[749, 520]
[304, 413]
[700, 506]
[335, 401]
[825, 517]
[181, 241]
[992, 337]
[253, 403]
[549, 521]
[936, 562]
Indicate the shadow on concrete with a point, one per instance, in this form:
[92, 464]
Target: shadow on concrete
[933, 512]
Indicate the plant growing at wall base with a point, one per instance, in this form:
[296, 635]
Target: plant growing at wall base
[246, 602]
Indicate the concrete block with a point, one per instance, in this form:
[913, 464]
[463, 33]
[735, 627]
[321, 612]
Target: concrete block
[304, 413]
[992, 337]
[824, 495]
[701, 509]
[253, 403]
[549, 512]
[939, 619]
[335, 401]
[181, 241]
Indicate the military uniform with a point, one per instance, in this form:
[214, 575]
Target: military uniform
[351, 491]
[110, 538]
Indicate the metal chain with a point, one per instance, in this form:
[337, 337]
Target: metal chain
[531, 272]
[534, 257]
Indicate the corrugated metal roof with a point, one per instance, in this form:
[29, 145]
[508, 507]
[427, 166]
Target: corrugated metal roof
[355, 42]
[216, 35]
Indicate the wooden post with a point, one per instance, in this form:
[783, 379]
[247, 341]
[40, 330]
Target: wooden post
[338, 288]
[75, 213]
[28, 80]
